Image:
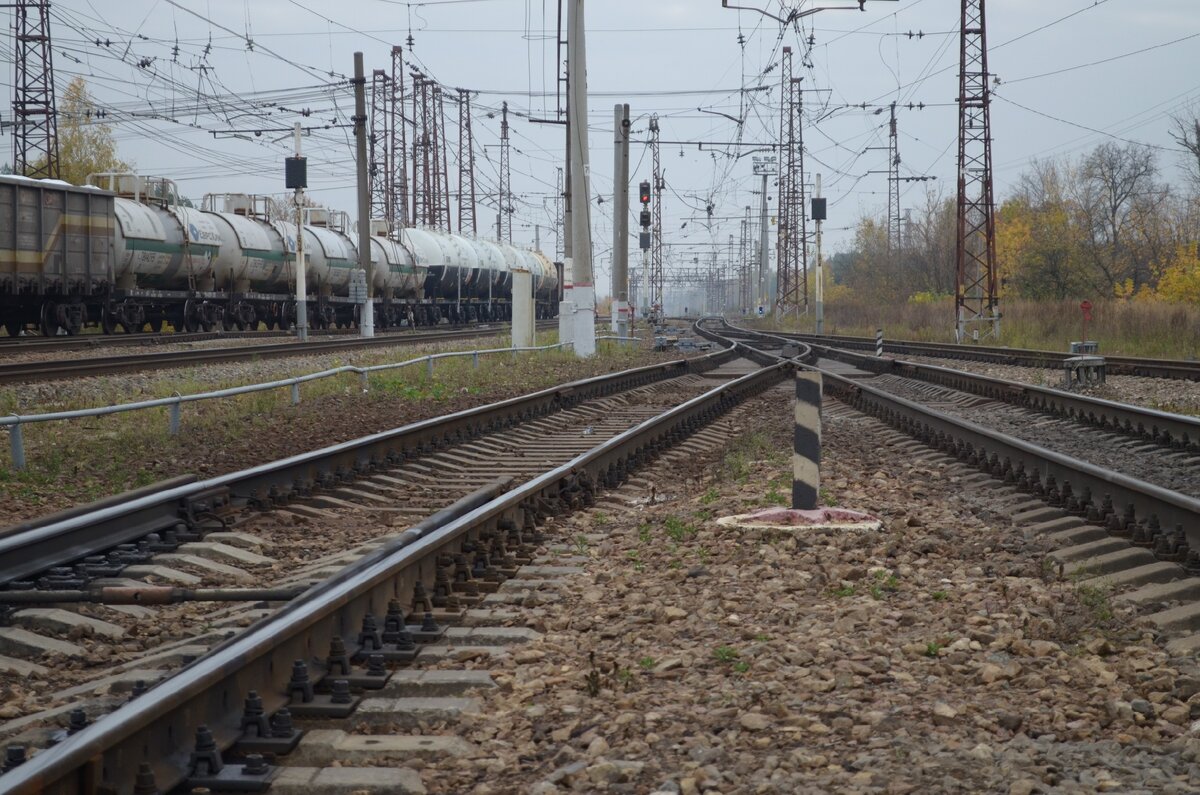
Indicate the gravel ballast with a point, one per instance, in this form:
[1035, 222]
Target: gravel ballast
[937, 655]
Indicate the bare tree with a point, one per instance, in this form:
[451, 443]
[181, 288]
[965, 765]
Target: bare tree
[1186, 132]
[1115, 189]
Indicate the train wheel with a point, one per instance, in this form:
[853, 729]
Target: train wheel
[49, 320]
[191, 317]
[108, 323]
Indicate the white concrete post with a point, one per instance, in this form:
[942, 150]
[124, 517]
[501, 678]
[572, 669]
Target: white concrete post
[523, 309]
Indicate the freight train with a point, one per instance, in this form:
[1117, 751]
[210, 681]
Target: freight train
[125, 252]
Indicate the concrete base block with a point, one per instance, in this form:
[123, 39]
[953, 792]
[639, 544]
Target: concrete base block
[348, 781]
[11, 665]
[54, 619]
[1185, 589]
[1083, 534]
[23, 643]
[1091, 549]
[1187, 646]
[410, 682]
[1159, 572]
[204, 564]
[1185, 618]
[409, 713]
[320, 747]
[1056, 526]
[215, 550]
[149, 571]
[490, 636]
[1037, 515]
[238, 539]
[1120, 560]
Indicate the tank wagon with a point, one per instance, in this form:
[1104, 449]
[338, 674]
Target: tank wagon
[126, 253]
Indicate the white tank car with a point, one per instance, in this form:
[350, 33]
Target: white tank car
[168, 248]
[396, 274]
[442, 256]
[252, 252]
[331, 256]
[545, 279]
[495, 277]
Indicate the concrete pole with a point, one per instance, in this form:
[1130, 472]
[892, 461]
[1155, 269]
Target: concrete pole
[762, 251]
[620, 268]
[523, 309]
[583, 290]
[366, 316]
[301, 265]
[820, 271]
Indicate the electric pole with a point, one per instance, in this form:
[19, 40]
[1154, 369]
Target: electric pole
[620, 262]
[792, 243]
[366, 315]
[296, 178]
[506, 208]
[581, 299]
[976, 301]
[467, 223]
[398, 148]
[657, 298]
[380, 137]
[35, 117]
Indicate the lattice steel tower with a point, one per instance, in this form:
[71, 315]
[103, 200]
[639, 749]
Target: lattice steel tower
[398, 148]
[506, 201]
[656, 241]
[792, 260]
[379, 146]
[893, 233]
[466, 166]
[976, 302]
[35, 119]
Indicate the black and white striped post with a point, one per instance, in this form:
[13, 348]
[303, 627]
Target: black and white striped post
[879, 342]
[806, 458]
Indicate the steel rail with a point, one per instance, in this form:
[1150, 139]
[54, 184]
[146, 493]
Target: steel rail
[19, 372]
[183, 507]
[1179, 369]
[1152, 515]
[1172, 430]
[156, 729]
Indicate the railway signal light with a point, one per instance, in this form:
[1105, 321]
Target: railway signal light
[644, 191]
[645, 218]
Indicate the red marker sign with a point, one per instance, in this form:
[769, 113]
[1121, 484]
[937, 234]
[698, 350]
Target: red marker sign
[1086, 306]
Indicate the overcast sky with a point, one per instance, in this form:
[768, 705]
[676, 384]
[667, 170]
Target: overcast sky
[182, 79]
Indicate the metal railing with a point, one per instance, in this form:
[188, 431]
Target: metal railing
[174, 403]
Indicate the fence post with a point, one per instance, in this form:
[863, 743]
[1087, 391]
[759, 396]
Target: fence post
[296, 394]
[173, 412]
[429, 365]
[806, 457]
[363, 381]
[475, 359]
[16, 439]
[879, 342]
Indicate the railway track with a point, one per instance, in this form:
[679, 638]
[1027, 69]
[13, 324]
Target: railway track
[1115, 528]
[24, 372]
[1120, 365]
[17, 345]
[443, 587]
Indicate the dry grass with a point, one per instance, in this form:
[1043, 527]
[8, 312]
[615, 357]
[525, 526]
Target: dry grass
[1149, 329]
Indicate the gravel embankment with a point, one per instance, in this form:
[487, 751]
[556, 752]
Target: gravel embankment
[83, 460]
[1180, 397]
[934, 656]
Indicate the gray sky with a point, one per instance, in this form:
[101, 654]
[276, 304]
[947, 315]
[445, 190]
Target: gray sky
[670, 57]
